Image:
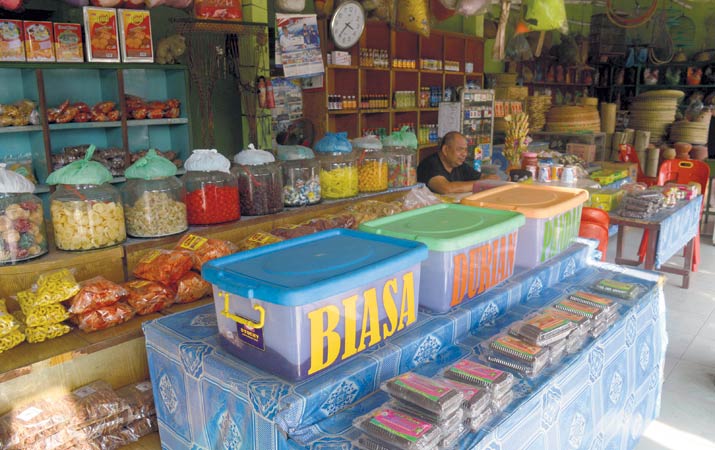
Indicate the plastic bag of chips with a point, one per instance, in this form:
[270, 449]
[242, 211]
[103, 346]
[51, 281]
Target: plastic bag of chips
[95, 293]
[164, 266]
[148, 297]
[205, 249]
[191, 287]
[104, 317]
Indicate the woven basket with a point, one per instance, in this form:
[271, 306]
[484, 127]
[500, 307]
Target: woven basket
[505, 79]
[662, 93]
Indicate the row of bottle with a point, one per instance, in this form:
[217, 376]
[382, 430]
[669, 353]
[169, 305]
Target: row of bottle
[336, 102]
[404, 99]
[427, 134]
[374, 101]
[372, 57]
[404, 63]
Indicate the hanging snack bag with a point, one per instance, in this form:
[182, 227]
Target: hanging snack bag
[39, 42]
[218, 9]
[135, 34]
[11, 40]
[163, 266]
[147, 297]
[95, 293]
[100, 34]
[191, 287]
[68, 42]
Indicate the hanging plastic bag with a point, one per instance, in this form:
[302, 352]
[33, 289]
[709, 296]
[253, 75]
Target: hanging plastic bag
[253, 157]
[545, 15]
[402, 138]
[413, 15]
[473, 7]
[519, 49]
[150, 167]
[205, 160]
[439, 11]
[14, 183]
[334, 143]
[293, 152]
[83, 171]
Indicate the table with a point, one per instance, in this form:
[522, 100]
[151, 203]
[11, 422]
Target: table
[206, 398]
[670, 230]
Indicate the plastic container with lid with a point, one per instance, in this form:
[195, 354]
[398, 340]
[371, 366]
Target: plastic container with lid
[301, 175]
[471, 250]
[338, 166]
[259, 182]
[211, 189]
[154, 199]
[297, 307]
[372, 164]
[553, 217]
[22, 224]
[87, 212]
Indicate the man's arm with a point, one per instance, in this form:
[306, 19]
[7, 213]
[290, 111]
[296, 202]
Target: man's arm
[441, 185]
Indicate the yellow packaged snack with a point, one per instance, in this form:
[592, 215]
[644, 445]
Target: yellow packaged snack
[43, 315]
[42, 333]
[11, 340]
[8, 324]
[55, 287]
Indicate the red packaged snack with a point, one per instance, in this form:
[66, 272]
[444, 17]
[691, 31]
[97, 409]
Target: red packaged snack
[12, 47]
[148, 297]
[96, 293]
[205, 249]
[218, 9]
[68, 42]
[164, 266]
[191, 287]
[104, 317]
[39, 42]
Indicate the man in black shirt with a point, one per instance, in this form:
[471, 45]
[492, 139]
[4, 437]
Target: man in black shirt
[445, 172]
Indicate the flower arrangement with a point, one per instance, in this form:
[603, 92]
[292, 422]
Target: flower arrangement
[517, 139]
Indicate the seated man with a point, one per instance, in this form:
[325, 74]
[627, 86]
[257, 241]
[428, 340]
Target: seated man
[445, 172]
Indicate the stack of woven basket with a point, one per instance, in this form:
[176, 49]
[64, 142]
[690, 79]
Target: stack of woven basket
[506, 90]
[654, 111]
[536, 106]
[695, 132]
[567, 119]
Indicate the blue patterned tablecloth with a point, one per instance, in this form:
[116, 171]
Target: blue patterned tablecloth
[206, 398]
[677, 229]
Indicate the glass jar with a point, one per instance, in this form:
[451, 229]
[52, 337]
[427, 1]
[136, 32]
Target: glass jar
[372, 170]
[154, 208]
[260, 187]
[211, 197]
[402, 167]
[22, 228]
[87, 216]
[338, 175]
[301, 182]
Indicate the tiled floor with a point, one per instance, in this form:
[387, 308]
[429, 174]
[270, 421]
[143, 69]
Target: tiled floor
[687, 416]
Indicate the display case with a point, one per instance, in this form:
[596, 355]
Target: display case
[477, 123]
[49, 85]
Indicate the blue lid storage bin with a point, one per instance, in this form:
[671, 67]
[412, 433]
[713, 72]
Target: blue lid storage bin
[300, 306]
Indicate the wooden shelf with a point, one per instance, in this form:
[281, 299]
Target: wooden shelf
[556, 83]
[400, 69]
[83, 125]
[148, 442]
[154, 122]
[342, 111]
[381, 69]
[24, 129]
[342, 67]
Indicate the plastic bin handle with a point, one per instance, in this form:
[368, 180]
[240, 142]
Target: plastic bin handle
[245, 322]
[685, 164]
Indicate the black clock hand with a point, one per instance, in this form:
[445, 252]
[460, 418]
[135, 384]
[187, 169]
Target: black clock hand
[347, 25]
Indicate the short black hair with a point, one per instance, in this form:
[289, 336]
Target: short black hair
[448, 138]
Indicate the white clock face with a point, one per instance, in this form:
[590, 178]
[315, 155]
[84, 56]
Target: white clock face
[347, 24]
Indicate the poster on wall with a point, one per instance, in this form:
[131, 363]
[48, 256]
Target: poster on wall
[298, 45]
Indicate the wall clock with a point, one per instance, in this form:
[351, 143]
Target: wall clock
[347, 24]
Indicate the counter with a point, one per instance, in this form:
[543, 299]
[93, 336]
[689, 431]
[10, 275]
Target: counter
[605, 394]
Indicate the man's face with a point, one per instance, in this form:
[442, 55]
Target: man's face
[456, 151]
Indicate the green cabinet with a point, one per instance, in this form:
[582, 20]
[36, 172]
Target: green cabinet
[51, 84]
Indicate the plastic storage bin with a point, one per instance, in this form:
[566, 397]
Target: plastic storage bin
[470, 249]
[300, 306]
[553, 217]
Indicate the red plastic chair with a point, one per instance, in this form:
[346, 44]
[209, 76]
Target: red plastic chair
[626, 153]
[596, 215]
[594, 225]
[681, 172]
[598, 232]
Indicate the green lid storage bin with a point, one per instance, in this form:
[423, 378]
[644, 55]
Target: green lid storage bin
[471, 250]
